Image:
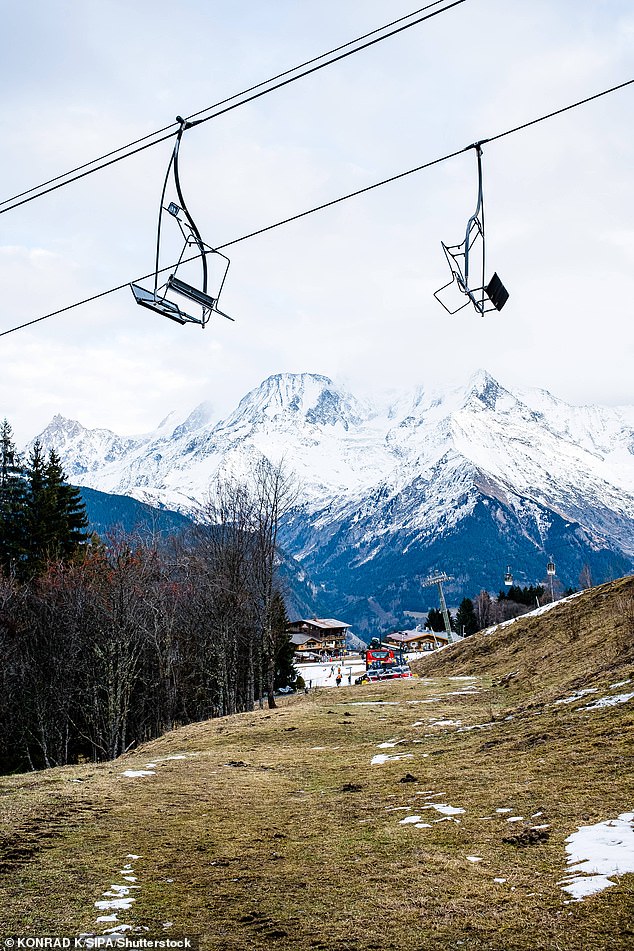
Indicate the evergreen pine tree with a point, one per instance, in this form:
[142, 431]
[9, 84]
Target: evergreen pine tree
[12, 502]
[285, 672]
[37, 541]
[67, 510]
[436, 621]
[55, 514]
[466, 620]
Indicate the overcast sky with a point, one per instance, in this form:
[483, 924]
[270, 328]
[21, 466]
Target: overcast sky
[348, 291]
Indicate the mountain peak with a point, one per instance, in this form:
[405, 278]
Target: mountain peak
[485, 389]
[303, 397]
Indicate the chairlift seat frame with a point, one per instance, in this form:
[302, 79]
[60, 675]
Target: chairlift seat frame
[484, 297]
[157, 299]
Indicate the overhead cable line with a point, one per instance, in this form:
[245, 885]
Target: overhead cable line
[81, 171]
[328, 204]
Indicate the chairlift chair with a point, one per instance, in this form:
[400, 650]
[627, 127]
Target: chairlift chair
[157, 299]
[484, 297]
[508, 577]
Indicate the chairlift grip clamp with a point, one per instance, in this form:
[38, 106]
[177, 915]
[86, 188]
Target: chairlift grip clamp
[478, 145]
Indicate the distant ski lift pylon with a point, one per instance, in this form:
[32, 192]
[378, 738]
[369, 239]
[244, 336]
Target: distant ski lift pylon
[467, 274]
[157, 299]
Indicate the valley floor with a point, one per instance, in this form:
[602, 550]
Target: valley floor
[432, 813]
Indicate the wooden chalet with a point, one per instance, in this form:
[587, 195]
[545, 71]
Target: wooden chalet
[417, 640]
[319, 636]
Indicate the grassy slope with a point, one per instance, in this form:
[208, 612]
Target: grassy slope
[254, 840]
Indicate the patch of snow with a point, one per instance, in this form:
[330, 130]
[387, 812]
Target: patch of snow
[609, 701]
[597, 852]
[504, 810]
[423, 825]
[118, 898]
[385, 757]
[410, 819]
[499, 881]
[515, 819]
[444, 808]
[135, 773]
[577, 696]
[620, 683]
[112, 903]
[473, 858]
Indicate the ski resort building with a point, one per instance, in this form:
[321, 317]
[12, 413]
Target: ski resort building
[417, 640]
[319, 636]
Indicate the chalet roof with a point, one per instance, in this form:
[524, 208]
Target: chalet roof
[298, 638]
[323, 623]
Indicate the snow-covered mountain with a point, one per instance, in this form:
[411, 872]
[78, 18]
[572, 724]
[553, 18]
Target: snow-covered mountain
[471, 478]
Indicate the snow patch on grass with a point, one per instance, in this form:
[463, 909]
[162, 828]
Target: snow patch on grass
[444, 808]
[577, 696]
[609, 701]
[118, 898]
[597, 852]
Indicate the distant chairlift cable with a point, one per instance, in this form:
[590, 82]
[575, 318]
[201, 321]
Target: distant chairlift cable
[81, 171]
[328, 204]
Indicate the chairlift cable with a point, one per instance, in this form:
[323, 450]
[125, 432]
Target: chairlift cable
[85, 169]
[321, 207]
[558, 112]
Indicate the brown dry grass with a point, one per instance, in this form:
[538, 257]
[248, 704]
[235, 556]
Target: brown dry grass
[277, 832]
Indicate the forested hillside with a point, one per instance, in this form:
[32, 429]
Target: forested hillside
[108, 642]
